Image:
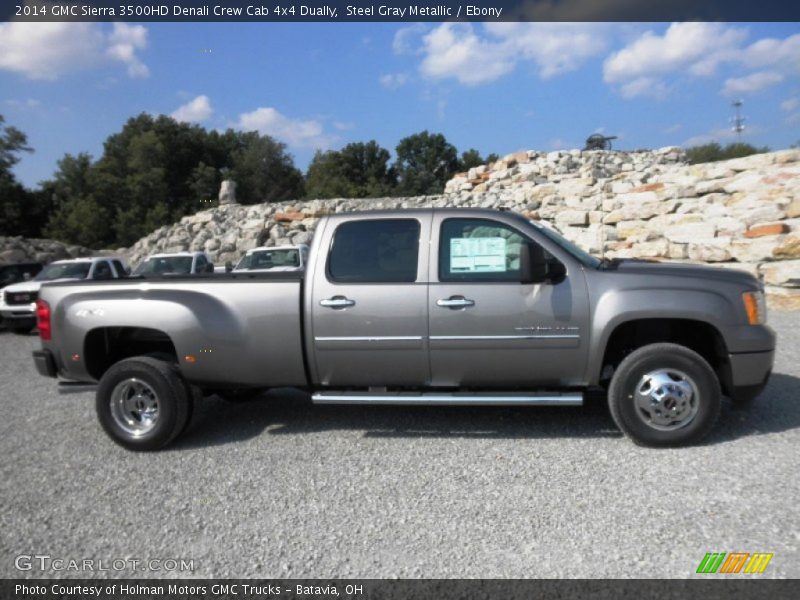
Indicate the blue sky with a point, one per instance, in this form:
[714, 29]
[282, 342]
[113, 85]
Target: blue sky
[498, 88]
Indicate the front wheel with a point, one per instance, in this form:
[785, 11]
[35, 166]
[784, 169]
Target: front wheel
[665, 395]
[143, 403]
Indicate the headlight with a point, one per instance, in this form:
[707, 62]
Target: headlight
[755, 307]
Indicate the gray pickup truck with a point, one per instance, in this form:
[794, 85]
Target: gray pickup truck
[450, 306]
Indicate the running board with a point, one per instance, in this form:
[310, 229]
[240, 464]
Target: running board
[75, 387]
[450, 399]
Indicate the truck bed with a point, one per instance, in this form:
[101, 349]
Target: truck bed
[227, 329]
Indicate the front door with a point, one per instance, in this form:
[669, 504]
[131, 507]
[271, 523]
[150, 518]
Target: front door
[487, 329]
[370, 306]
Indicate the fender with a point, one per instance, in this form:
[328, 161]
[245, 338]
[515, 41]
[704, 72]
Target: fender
[616, 307]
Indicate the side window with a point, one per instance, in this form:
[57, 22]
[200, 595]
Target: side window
[479, 250]
[375, 251]
[119, 268]
[102, 270]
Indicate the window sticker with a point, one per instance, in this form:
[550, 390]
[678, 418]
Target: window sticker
[477, 255]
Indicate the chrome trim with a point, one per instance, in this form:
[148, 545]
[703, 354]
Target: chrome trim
[506, 337]
[372, 338]
[454, 399]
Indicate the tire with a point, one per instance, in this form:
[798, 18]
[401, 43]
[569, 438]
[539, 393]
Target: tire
[143, 403]
[665, 395]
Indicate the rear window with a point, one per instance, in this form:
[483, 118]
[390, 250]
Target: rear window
[375, 251]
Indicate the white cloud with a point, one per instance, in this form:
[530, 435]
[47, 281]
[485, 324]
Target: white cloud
[298, 133]
[644, 86]
[343, 125]
[698, 49]
[719, 135]
[30, 103]
[194, 111]
[749, 84]
[124, 41]
[456, 50]
[48, 50]
[790, 104]
[406, 39]
[392, 81]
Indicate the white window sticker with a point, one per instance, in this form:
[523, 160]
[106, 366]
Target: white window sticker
[477, 255]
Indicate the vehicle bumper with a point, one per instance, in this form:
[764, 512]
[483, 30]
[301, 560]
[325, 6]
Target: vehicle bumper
[12, 312]
[749, 373]
[45, 363]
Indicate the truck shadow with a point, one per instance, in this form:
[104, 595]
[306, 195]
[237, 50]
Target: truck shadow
[290, 412]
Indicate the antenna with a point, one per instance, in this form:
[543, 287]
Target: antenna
[738, 120]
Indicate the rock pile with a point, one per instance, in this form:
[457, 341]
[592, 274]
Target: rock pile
[742, 213]
[18, 249]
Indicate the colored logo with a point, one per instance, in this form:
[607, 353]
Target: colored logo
[734, 562]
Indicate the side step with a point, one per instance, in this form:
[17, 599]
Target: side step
[75, 387]
[451, 399]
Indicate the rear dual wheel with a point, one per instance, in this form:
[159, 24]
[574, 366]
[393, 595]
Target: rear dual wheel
[143, 403]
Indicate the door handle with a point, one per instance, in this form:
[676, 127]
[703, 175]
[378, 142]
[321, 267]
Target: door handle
[454, 302]
[337, 302]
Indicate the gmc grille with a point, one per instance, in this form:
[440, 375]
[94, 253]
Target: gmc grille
[18, 298]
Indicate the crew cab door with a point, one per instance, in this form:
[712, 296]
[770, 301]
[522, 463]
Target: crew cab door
[369, 302]
[489, 330]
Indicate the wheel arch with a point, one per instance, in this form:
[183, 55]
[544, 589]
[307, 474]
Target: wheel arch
[106, 346]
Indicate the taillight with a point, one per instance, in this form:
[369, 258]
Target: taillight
[43, 319]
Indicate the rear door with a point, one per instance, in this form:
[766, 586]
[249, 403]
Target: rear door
[487, 329]
[368, 302]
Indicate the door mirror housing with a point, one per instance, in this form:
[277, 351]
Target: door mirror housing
[532, 263]
[209, 268]
[228, 266]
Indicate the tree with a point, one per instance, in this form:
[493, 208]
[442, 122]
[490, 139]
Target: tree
[262, 169]
[425, 162]
[20, 211]
[359, 170]
[713, 152]
[472, 158]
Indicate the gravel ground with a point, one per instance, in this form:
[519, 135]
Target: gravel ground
[280, 488]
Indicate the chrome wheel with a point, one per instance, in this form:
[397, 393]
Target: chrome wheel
[134, 406]
[666, 399]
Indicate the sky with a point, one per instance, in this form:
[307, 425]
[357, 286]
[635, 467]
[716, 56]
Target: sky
[498, 87]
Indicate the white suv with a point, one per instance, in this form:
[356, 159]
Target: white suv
[274, 258]
[18, 301]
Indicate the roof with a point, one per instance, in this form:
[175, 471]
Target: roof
[285, 247]
[84, 259]
[170, 254]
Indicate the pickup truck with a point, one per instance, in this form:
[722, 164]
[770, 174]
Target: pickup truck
[274, 258]
[17, 302]
[438, 306]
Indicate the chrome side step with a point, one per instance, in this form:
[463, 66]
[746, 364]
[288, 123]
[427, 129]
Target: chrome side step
[451, 399]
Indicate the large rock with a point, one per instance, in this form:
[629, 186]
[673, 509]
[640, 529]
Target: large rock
[785, 273]
[227, 192]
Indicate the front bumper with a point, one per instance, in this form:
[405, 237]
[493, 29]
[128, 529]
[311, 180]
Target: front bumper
[45, 363]
[12, 312]
[749, 373]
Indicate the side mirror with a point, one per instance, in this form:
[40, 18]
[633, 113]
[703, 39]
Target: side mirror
[210, 268]
[228, 266]
[556, 271]
[26, 277]
[532, 263]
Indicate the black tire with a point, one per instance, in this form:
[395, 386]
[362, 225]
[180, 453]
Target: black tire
[172, 396]
[672, 360]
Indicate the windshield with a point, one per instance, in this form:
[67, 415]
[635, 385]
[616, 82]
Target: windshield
[586, 259]
[64, 271]
[163, 265]
[268, 259]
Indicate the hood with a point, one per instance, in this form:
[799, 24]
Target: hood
[671, 269]
[23, 287]
[35, 286]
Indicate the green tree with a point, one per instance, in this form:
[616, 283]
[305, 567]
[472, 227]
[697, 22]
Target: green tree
[713, 152]
[359, 170]
[472, 158]
[21, 212]
[262, 169]
[425, 161]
